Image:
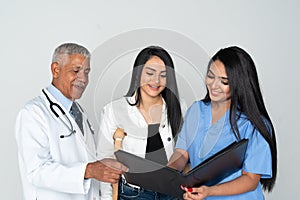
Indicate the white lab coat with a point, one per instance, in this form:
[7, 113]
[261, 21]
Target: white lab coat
[52, 167]
[119, 114]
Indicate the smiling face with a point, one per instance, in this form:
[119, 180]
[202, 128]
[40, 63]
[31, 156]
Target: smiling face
[217, 83]
[153, 77]
[70, 75]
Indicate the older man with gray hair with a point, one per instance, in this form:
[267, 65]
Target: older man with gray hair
[56, 147]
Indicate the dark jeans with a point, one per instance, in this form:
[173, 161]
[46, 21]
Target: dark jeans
[126, 192]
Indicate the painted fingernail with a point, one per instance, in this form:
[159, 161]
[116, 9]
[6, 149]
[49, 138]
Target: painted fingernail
[189, 189]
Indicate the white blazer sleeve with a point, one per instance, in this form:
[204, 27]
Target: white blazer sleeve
[104, 138]
[105, 144]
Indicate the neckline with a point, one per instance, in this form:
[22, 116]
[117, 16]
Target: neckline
[222, 117]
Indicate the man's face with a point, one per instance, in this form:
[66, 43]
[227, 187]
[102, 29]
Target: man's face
[70, 75]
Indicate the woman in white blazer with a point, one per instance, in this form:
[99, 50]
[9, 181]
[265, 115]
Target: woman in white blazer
[150, 114]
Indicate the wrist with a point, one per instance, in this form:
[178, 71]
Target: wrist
[88, 171]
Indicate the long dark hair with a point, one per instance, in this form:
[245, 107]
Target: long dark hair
[246, 98]
[170, 93]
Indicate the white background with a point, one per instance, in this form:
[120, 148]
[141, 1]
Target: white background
[268, 30]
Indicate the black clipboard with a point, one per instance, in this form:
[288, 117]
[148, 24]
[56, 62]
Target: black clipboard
[163, 179]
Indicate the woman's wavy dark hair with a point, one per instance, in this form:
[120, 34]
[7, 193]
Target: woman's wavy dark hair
[246, 98]
[170, 93]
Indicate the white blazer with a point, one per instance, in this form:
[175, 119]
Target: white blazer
[119, 114]
[52, 167]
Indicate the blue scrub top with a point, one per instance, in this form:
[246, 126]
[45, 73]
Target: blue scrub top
[202, 140]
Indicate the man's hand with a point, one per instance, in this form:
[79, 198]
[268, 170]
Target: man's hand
[106, 170]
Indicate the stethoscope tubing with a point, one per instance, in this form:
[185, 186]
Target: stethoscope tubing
[52, 104]
[71, 128]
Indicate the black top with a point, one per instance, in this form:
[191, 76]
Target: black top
[155, 150]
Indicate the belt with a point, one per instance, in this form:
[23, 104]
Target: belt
[129, 184]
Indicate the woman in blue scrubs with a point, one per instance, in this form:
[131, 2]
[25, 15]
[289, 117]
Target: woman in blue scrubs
[232, 109]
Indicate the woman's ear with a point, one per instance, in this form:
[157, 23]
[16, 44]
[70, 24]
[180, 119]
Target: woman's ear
[55, 68]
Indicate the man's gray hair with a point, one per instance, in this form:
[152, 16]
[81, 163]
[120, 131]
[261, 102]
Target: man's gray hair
[69, 49]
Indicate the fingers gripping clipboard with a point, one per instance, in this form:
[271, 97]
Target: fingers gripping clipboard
[163, 179]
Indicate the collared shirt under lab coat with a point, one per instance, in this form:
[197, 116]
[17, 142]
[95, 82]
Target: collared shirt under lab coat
[119, 114]
[52, 167]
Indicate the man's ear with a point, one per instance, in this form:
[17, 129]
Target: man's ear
[55, 68]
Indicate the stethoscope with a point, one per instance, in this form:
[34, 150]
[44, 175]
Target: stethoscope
[52, 105]
[71, 128]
